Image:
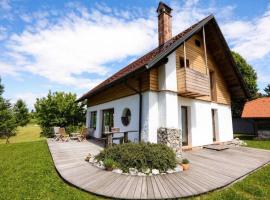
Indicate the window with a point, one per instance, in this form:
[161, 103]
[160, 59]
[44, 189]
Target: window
[93, 119]
[197, 43]
[126, 117]
[182, 62]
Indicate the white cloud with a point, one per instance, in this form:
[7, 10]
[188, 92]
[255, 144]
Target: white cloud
[75, 45]
[5, 5]
[29, 98]
[85, 42]
[3, 33]
[251, 38]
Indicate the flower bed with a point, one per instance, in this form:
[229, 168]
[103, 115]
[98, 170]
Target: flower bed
[137, 159]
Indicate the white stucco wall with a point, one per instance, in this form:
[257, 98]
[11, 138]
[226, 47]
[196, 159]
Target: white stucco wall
[167, 97]
[150, 116]
[131, 102]
[200, 121]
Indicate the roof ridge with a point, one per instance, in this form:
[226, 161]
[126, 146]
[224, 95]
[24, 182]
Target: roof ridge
[143, 60]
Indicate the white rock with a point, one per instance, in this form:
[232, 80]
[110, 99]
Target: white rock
[91, 160]
[170, 171]
[179, 168]
[155, 171]
[133, 171]
[118, 171]
[141, 174]
[101, 163]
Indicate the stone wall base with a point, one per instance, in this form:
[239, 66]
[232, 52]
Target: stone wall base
[172, 138]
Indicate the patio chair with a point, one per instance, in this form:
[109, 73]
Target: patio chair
[56, 133]
[63, 135]
[83, 135]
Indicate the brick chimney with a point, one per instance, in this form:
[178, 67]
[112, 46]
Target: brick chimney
[164, 23]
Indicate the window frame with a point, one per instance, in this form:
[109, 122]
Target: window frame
[93, 119]
[182, 62]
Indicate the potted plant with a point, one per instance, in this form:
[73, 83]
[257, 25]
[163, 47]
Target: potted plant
[109, 164]
[185, 164]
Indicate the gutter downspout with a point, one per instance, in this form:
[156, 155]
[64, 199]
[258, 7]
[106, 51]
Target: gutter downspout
[140, 104]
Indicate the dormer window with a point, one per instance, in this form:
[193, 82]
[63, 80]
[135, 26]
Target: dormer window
[182, 62]
[198, 43]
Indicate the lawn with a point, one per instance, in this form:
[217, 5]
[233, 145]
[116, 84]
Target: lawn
[27, 172]
[29, 133]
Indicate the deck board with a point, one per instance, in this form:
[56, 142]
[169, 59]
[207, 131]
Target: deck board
[209, 170]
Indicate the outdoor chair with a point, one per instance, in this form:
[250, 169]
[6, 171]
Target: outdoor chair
[56, 133]
[83, 135]
[63, 135]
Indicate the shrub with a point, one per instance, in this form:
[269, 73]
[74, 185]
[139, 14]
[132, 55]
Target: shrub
[140, 156]
[47, 132]
[185, 161]
[109, 163]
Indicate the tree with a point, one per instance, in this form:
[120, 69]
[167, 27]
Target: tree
[21, 113]
[250, 78]
[267, 90]
[7, 120]
[59, 109]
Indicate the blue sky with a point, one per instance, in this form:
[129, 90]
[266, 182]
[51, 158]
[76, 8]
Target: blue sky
[73, 45]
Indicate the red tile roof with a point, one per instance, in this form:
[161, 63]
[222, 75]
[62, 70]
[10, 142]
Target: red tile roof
[141, 62]
[258, 108]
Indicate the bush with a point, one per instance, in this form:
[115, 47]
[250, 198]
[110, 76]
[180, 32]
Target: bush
[110, 163]
[47, 132]
[140, 156]
[59, 109]
[185, 161]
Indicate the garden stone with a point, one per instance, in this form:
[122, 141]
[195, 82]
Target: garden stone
[141, 174]
[118, 171]
[170, 171]
[178, 168]
[133, 171]
[155, 171]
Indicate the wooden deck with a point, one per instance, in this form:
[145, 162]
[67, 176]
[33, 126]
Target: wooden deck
[209, 170]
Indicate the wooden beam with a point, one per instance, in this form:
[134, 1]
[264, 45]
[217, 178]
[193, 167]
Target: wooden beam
[205, 52]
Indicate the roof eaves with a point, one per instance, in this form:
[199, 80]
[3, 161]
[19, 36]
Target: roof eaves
[236, 69]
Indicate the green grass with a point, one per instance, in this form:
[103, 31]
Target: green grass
[29, 133]
[27, 172]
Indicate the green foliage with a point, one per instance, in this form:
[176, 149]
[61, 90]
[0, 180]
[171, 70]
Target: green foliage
[185, 161]
[248, 73]
[109, 163]
[250, 78]
[8, 123]
[267, 90]
[59, 109]
[21, 113]
[140, 156]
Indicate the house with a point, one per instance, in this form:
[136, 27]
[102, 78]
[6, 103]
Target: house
[185, 84]
[258, 111]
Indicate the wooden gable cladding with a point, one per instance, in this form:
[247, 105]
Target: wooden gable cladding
[196, 58]
[218, 49]
[149, 81]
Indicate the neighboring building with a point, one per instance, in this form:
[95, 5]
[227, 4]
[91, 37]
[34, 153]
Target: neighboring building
[258, 111]
[185, 83]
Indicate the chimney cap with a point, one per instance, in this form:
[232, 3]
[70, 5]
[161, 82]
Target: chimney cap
[162, 7]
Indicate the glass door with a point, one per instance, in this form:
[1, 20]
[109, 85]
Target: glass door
[107, 120]
[184, 118]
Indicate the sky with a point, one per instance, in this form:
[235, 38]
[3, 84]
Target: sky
[72, 46]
